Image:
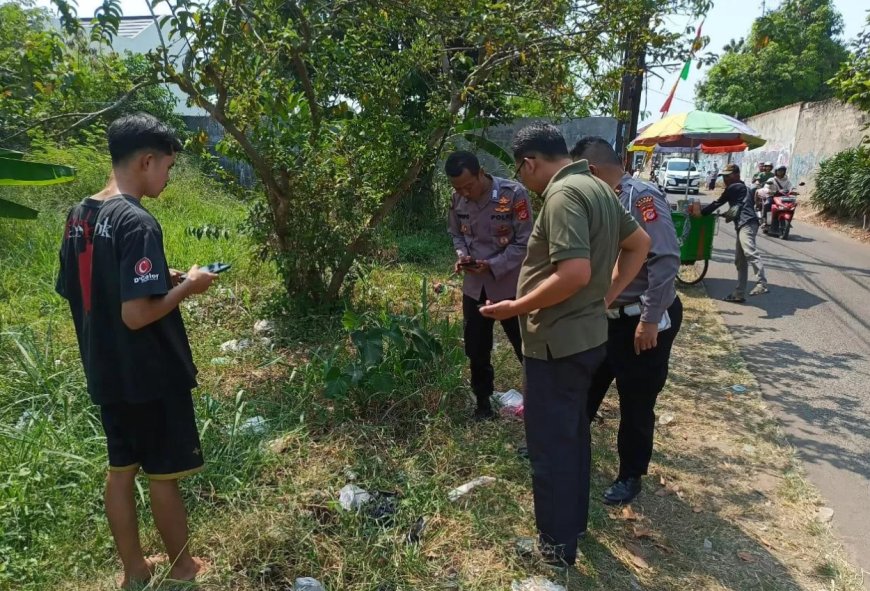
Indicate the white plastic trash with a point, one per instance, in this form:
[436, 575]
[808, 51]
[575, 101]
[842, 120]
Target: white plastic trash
[254, 426]
[536, 584]
[510, 399]
[235, 345]
[352, 497]
[263, 327]
[307, 584]
[26, 419]
[460, 491]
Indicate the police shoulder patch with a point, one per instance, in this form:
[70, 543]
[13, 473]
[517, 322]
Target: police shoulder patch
[521, 209]
[646, 205]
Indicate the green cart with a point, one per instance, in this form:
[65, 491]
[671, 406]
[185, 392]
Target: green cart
[696, 245]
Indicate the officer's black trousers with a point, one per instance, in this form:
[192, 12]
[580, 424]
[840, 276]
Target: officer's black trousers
[639, 379]
[557, 433]
[478, 346]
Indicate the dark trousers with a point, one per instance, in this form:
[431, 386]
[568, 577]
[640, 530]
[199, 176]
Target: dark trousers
[639, 379]
[478, 346]
[557, 433]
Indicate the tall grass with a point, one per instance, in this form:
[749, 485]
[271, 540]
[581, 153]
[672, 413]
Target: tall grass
[52, 449]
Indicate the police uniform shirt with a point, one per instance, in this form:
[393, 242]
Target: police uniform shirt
[496, 230]
[654, 285]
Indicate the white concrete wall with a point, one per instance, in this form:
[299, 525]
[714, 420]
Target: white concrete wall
[800, 136]
[825, 128]
[779, 128]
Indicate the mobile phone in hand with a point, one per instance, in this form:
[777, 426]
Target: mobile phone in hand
[467, 264]
[218, 267]
[212, 268]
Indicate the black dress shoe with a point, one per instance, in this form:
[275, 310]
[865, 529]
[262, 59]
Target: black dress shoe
[483, 413]
[622, 491]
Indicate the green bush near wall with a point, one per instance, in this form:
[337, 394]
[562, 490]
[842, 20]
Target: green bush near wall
[843, 183]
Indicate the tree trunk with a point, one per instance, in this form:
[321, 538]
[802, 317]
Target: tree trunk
[359, 243]
[435, 141]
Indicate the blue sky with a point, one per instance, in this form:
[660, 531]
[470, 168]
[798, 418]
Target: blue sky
[728, 19]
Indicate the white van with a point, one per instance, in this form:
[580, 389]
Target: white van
[674, 173]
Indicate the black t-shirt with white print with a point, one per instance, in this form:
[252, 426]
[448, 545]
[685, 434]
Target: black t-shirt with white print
[112, 252]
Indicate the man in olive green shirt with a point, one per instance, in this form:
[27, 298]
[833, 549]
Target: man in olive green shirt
[566, 282]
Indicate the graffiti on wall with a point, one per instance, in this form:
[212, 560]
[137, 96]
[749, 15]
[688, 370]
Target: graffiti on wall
[801, 167]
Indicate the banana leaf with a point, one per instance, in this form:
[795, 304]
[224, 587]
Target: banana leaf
[14, 171]
[11, 154]
[18, 172]
[491, 148]
[11, 210]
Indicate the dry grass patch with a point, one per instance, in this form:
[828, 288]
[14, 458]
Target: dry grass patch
[724, 508]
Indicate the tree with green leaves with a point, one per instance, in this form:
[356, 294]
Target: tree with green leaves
[56, 83]
[339, 107]
[852, 82]
[789, 56]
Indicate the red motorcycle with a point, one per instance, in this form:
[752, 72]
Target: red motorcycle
[777, 222]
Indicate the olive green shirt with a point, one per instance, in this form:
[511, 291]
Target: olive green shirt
[581, 219]
[761, 177]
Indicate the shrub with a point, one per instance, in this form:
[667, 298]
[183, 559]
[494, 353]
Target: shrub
[412, 357]
[843, 183]
[424, 248]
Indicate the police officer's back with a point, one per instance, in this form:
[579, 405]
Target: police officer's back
[643, 321]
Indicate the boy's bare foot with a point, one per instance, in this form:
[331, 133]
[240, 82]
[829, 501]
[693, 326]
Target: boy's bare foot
[188, 570]
[142, 575]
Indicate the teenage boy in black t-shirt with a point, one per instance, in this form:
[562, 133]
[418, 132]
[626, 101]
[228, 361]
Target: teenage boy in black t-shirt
[136, 356]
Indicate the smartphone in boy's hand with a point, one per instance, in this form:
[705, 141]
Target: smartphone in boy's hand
[213, 268]
[218, 267]
[199, 278]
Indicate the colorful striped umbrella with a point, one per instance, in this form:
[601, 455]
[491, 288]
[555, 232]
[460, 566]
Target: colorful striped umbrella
[685, 130]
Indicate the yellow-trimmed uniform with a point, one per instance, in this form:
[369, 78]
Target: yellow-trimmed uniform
[496, 230]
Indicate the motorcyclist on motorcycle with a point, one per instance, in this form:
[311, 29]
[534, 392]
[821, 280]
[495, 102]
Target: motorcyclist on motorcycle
[777, 184]
[759, 179]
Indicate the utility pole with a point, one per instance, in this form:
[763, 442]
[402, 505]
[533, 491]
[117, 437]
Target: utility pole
[634, 62]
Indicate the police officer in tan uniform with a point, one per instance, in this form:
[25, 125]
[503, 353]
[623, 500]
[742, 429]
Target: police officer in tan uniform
[490, 221]
[643, 321]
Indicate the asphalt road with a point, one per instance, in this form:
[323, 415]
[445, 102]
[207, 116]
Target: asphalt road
[808, 344]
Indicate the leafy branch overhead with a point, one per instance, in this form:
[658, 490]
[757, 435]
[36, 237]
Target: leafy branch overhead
[340, 107]
[852, 82]
[59, 83]
[788, 57]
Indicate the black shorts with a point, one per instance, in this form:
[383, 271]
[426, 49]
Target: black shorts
[159, 436]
